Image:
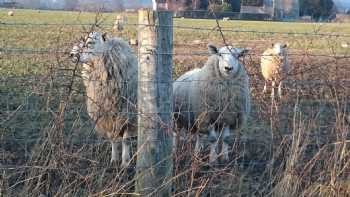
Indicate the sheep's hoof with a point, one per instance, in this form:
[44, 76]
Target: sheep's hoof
[114, 163]
[213, 159]
[212, 139]
[223, 160]
[197, 155]
[124, 165]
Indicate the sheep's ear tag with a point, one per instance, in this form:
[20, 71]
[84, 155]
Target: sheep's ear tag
[212, 49]
[104, 37]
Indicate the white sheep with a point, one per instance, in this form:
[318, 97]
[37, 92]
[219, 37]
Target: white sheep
[110, 77]
[345, 45]
[214, 100]
[274, 67]
[120, 22]
[133, 41]
[11, 13]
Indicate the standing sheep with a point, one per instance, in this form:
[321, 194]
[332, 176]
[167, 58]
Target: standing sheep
[274, 67]
[119, 23]
[110, 77]
[214, 99]
[10, 13]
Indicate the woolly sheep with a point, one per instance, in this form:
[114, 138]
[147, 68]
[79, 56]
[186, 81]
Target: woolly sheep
[274, 67]
[133, 41]
[10, 13]
[110, 77]
[345, 45]
[120, 22]
[213, 99]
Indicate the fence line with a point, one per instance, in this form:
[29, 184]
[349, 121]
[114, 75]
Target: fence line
[214, 28]
[286, 81]
[106, 167]
[43, 112]
[50, 51]
[243, 139]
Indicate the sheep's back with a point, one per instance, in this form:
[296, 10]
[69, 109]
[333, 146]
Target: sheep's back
[184, 94]
[226, 101]
[206, 100]
[112, 93]
[271, 65]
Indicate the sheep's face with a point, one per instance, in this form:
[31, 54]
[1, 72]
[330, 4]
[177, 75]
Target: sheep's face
[89, 48]
[229, 63]
[280, 50]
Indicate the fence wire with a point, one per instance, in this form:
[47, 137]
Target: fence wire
[181, 27]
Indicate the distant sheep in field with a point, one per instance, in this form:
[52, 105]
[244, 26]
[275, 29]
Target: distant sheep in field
[345, 45]
[120, 22]
[274, 67]
[214, 100]
[133, 41]
[110, 77]
[226, 18]
[11, 13]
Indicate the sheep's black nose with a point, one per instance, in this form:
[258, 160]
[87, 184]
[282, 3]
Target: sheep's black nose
[75, 57]
[228, 68]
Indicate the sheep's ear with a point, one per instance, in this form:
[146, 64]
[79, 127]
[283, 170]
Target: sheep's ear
[273, 45]
[230, 47]
[104, 36]
[212, 49]
[284, 46]
[242, 52]
[83, 38]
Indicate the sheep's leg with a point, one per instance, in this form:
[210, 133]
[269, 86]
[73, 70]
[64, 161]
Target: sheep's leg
[265, 87]
[280, 89]
[199, 145]
[213, 144]
[273, 90]
[115, 152]
[125, 149]
[174, 142]
[225, 143]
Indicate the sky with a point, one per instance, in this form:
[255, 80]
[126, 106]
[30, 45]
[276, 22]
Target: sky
[60, 3]
[342, 5]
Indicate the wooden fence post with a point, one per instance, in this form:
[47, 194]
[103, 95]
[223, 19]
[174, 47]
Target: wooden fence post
[276, 9]
[154, 158]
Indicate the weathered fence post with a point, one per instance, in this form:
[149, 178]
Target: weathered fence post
[276, 9]
[154, 158]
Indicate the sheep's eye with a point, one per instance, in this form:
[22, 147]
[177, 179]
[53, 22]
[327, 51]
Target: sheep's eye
[89, 44]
